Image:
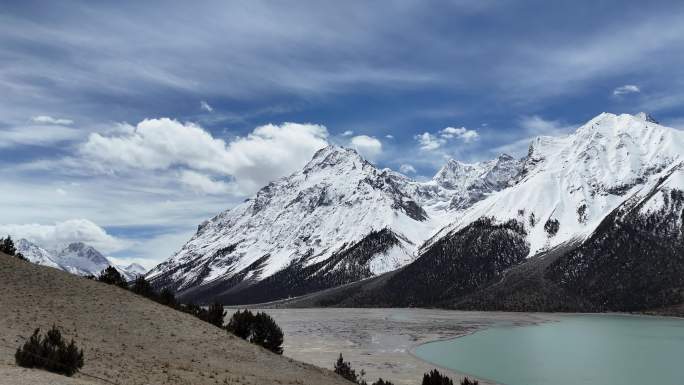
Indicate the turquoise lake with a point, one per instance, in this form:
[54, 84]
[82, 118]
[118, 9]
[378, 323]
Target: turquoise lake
[583, 349]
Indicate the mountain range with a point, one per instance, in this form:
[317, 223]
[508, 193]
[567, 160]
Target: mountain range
[75, 258]
[532, 233]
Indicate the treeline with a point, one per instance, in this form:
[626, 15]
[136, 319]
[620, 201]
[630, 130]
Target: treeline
[434, 377]
[260, 328]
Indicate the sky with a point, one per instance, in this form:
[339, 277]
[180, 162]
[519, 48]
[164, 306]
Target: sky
[125, 124]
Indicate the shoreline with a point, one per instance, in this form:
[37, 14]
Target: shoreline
[381, 341]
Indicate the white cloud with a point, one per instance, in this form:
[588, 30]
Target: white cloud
[44, 119]
[626, 89]
[407, 169]
[389, 136]
[267, 153]
[367, 146]
[461, 133]
[535, 125]
[35, 135]
[61, 233]
[431, 142]
[206, 107]
[203, 183]
[348, 133]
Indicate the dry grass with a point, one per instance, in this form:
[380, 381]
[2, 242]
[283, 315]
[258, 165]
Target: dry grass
[128, 339]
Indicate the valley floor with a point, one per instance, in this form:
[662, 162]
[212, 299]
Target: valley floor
[379, 341]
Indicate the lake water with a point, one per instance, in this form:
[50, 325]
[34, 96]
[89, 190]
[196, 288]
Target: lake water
[586, 349]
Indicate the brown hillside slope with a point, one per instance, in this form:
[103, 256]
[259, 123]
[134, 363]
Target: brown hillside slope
[129, 339]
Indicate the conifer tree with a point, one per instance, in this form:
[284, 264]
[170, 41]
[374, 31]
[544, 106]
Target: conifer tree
[434, 377]
[215, 314]
[111, 276]
[267, 333]
[50, 352]
[166, 297]
[141, 286]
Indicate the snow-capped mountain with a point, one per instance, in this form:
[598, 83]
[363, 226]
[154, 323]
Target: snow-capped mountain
[81, 259]
[568, 184]
[76, 258]
[594, 222]
[131, 271]
[37, 254]
[458, 185]
[337, 220]
[340, 219]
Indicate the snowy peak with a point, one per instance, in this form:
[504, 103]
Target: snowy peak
[569, 184]
[36, 254]
[335, 156]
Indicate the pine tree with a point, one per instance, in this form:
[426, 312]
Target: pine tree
[267, 333]
[240, 324]
[345, 370]
[50, 352]
[167, 298]
[141, 286]
[436, 378]
[215, 314]
[112, 276]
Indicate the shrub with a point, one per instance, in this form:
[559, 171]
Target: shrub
[468, 381]
[345, 370]
[50, 352]
[258, 329]
[380, 381]
[111, 276]
[436, 378]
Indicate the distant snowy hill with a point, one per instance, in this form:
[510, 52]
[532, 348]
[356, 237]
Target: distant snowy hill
[76, 258]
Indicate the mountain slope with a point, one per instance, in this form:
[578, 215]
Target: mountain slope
[129, 339]
[81, 259]
[338, 220]
[624, 251]
[569, 184]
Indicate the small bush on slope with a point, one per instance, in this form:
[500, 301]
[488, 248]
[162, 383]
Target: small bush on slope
[345, 370]
[50, 352]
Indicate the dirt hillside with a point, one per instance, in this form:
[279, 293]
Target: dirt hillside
[128, 339]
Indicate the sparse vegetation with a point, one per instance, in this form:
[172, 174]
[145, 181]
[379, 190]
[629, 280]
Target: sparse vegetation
[552, 226]
[344, 369]
[582, 213]
[7, 247]
[437, 378]
[50, 352]
[258, 329]
[215, 314]
[111, 276]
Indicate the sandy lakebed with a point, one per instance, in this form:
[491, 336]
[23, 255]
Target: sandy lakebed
[380, 341]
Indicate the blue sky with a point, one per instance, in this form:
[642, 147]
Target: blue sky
[127, 123]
